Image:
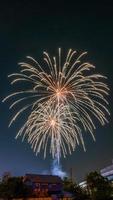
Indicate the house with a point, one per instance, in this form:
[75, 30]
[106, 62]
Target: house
[43, 185]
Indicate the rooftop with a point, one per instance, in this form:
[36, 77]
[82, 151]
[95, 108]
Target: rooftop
[42, 178]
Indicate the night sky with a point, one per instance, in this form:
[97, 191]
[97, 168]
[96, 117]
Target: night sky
[29, 28]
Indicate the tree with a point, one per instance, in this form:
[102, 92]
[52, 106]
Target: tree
[68, 185]
[6, 176]
[99, 188]
[14, 188]
[77, 192]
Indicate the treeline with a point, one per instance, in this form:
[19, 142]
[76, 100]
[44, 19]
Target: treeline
[97, 188]
[13, 187]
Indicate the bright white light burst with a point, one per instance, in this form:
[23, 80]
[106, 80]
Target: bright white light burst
[64, 99]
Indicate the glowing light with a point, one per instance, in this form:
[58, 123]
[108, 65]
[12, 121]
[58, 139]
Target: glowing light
[64, 100]
[53, 122]
[58, 93]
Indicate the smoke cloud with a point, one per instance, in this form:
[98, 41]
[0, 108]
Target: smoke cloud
[56, 169]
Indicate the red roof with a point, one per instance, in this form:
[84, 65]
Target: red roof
[43, 178]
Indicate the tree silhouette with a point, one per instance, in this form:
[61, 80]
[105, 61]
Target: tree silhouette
[99, 188]
[14, 188]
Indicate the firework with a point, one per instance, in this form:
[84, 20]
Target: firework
[64, 98]
[51, 123]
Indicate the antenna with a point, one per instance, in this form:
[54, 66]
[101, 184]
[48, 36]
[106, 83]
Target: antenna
[71, 174]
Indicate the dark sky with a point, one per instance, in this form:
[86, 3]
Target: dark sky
[28, 28]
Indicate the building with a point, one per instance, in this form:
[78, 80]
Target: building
[108, 172]
[43, 185]
[83, 184]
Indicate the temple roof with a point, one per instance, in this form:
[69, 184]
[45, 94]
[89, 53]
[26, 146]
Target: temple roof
[42, 178]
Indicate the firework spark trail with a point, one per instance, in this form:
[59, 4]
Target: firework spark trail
[50, 122]
[68, 92]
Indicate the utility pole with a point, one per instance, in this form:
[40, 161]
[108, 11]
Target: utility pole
[71, 174]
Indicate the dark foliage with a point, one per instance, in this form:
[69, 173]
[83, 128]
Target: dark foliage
[75, 190]
[14, 188]
[99, 188]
